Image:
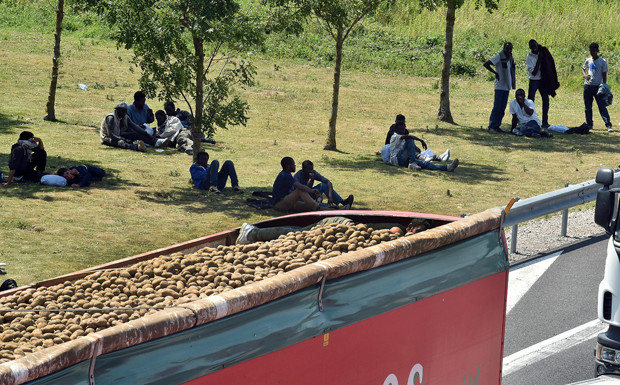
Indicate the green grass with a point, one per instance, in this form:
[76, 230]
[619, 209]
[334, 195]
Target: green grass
[147, 203]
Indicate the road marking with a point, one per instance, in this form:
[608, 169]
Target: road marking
[522, 277]
[554, 345]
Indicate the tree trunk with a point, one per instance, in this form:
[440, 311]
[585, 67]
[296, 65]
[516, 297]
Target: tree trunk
[51, 100]
[200, 68]
[444, 114]
[330, 143]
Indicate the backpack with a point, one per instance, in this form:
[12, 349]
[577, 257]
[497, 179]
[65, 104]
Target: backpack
[8, 284]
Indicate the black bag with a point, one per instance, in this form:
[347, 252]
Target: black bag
[8, 284]
[581, 130]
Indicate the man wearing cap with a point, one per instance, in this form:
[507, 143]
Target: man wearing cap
[117, 130]
[27, 160]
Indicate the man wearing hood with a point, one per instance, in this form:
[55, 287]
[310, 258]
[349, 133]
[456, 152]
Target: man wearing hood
[170, 127]
[27, 160]
[117, 130]
[504, 81]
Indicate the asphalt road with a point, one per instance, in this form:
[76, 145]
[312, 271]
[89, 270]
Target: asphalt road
[562, 300]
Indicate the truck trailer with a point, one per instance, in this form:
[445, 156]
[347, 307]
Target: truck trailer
[368, 307]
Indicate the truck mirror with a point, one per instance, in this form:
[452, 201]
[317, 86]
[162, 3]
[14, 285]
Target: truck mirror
[605, 176]
[604, 209]
[605, 199]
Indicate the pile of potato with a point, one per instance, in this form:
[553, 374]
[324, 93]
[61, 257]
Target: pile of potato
[149, 286]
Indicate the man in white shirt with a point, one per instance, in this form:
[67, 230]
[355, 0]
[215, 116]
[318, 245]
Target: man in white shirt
[596, 75]
[532, 62]
[504, 81]
[524, 113]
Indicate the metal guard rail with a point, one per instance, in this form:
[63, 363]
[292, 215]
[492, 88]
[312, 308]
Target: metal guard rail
[554, 201]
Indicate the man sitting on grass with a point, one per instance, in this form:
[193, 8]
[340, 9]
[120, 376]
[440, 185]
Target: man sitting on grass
[117, 130]
[290, 195]
[82, 175]
[185, 117]
[205, 176]
[27, 160]
[404, 154]
[307, 175]
[524, 113]
[170, 127]
[385, 150]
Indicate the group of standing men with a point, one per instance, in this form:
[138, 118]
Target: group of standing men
[542, 79]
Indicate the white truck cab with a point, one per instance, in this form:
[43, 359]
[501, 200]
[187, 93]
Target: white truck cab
[606, 215]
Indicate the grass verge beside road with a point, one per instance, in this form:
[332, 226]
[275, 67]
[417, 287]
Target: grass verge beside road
[146, 202]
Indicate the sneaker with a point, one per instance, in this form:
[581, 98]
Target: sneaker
[445, 156]
[452, 166]
[346, 207]
[207, 140]
[214, 190]
[189, 151]
[610, 128]
[162, 143]
[348, 202]
[495, 130]
[414, 166]
[244, 231]
[140, 145]
[237, 190]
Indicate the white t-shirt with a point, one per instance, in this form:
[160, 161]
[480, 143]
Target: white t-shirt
[530, 62]
[515, 108]
[595, 70]
[505, 77]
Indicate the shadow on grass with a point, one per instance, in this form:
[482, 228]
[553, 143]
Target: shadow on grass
[467, 172]
[8, 124]
[197, 201]
[594, 142]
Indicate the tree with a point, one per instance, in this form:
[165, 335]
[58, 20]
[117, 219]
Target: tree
[444, 114]
[51, 100]
[338, 17]
[191, 50]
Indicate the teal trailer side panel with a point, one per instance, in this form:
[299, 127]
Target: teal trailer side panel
[289, 320]
[73, 375]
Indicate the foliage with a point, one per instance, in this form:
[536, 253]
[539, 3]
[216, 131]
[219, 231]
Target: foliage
[191, 50]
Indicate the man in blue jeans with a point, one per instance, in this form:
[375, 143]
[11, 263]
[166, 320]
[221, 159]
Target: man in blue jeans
[206, 176]
[403, 152]
[308, 175]
[504, 81]
[594, 72]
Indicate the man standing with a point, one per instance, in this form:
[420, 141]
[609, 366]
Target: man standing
[524, 113]
[504, 81]
[596, 75]
[533, 62]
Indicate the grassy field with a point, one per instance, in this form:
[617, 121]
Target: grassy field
[146, 202]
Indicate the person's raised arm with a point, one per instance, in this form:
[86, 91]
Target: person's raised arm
[40, 142]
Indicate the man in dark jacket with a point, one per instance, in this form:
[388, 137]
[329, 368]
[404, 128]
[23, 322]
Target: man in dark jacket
[543, 77]
[27, 160]
[82, 175]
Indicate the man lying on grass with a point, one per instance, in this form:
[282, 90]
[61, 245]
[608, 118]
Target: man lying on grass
[82, 175]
